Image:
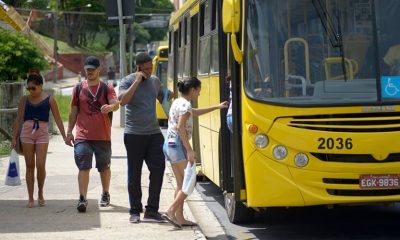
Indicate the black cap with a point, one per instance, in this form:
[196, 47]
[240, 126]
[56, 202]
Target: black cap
[143, 57]
[92, 62]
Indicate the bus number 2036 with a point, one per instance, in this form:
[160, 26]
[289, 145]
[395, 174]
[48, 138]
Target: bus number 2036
[338, 143]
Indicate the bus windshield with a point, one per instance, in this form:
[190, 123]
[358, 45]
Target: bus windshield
[322, 52]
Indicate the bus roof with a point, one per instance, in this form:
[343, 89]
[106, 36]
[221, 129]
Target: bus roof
[190, 4]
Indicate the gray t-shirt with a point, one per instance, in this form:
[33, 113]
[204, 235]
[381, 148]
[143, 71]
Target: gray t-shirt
[141, 117]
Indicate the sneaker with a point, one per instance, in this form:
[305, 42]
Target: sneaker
[105, 199]
[134, 218]
[82, 204]
[153, 217]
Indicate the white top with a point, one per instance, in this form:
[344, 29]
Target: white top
[179, 107]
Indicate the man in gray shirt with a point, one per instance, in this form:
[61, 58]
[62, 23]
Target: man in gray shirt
[143, 138]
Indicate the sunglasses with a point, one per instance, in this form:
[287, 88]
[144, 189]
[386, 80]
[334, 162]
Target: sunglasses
[33, 88]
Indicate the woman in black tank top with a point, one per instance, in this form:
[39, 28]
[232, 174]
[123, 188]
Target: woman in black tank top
[33, 115]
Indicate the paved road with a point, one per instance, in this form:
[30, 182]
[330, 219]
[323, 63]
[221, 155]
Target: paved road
[343, 222]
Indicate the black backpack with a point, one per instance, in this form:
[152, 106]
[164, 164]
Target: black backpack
[105, 88]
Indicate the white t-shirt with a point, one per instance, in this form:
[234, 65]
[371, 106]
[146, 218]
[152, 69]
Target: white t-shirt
[179, 107]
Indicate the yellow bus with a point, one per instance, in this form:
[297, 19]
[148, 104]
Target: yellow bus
[160, 66]
[315, 99]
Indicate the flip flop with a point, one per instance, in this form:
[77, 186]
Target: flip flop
[41, 202]
[170, 220]
[189, 224]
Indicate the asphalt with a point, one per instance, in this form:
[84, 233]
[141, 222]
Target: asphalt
[59, 219]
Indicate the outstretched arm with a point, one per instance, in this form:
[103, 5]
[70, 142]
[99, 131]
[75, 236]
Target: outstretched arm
[201, 111]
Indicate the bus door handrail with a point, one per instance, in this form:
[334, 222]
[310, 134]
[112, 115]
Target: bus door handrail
[306, 55]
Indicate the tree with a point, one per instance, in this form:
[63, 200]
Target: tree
[17, 55]
[154, 6]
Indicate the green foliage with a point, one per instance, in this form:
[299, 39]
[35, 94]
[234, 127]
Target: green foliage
[17, 55]
[63, 103]
[5, 148]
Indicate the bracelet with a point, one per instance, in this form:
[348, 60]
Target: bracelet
[69, 133]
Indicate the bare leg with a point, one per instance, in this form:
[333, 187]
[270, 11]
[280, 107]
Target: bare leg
[29, 154]
[41, 154]
[83, 180]
[175, 210]
[105, 177]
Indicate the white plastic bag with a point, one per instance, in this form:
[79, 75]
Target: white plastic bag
[13, 175]
[189, 178]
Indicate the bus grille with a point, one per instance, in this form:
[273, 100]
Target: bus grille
[354, 122]
[355, 192]
[355, 158]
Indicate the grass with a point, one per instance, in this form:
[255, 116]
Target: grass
[97, 47]
[63, 103]
[63, 47]
[5, 148]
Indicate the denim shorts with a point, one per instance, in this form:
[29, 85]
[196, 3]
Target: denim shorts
[84, 150]
[229, 122]
[173, 150]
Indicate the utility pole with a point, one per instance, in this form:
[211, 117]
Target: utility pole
[55, 50]
[122, 50]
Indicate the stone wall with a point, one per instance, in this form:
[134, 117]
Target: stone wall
[10, 94]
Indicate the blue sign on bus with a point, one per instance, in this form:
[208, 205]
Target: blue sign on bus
[390, 86]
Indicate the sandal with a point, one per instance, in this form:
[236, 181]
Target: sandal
[41, 202]
[171, 220]
[189, 224]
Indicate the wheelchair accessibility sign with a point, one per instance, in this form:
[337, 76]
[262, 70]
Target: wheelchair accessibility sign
[390, 86]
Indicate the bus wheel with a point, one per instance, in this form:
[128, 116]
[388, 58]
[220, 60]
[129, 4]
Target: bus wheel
[163, 123]
[237, 211]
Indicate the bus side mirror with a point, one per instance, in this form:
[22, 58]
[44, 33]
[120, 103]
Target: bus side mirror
[231, 16]
[231, 24]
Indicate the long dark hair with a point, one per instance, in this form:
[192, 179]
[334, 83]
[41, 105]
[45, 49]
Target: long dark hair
[185, 85]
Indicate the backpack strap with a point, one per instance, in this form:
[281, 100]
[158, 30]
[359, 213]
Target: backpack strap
[78, 88]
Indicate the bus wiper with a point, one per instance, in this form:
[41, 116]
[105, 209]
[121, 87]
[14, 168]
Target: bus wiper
[340, 41]
[335, 37]
[327, 23]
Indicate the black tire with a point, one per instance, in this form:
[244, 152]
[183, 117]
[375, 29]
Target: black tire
[163, 123]
[237, 212]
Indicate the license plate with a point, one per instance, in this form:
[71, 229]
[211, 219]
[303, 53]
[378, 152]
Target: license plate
[380, 181]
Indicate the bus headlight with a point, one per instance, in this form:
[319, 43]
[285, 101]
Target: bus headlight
[301, 160]
[261, 141]
[280, 152]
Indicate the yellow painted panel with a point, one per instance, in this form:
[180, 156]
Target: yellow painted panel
[269, 183]
[160, 111]
[206, 152]
[204, 101]
[215, 100]
[215, 156]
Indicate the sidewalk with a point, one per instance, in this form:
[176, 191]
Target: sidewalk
[59, 219]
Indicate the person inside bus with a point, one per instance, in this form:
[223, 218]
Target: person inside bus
[229, 122]
[392, 59]
[177, 148]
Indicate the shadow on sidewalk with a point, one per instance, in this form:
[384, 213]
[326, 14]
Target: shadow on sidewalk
[56, 216]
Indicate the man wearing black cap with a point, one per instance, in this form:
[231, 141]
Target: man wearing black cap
[91, 102]
[142, 137]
